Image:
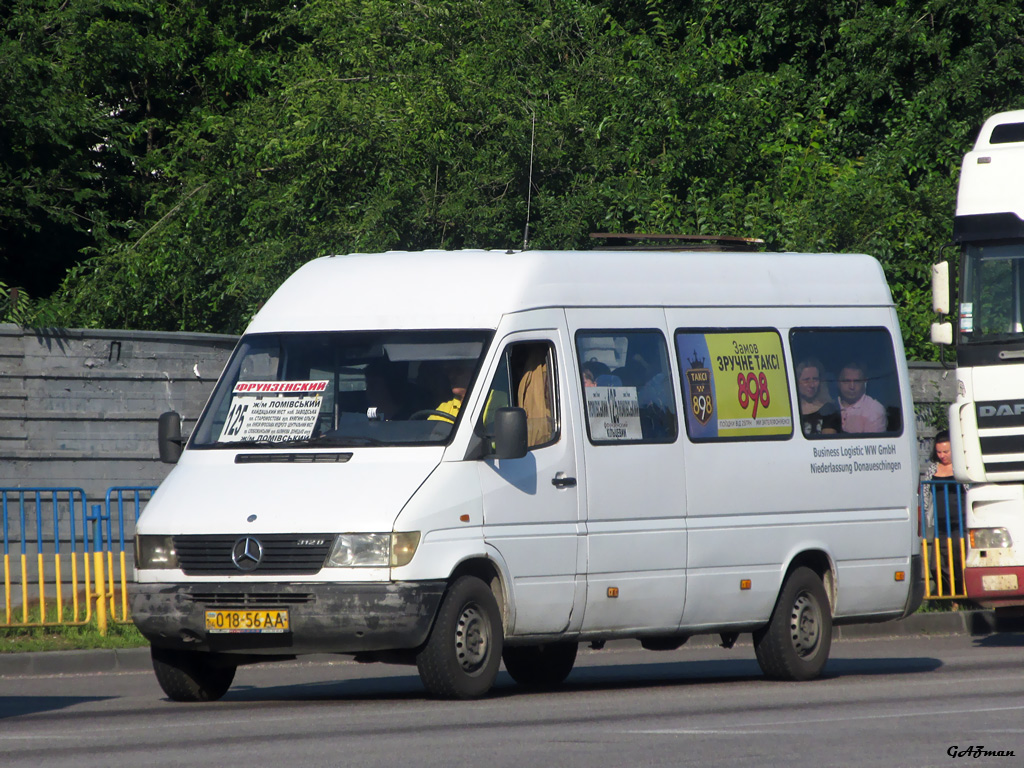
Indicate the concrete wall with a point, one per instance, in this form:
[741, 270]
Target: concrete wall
[79, 408]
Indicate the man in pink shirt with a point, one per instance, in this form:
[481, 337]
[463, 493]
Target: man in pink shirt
[861, 412]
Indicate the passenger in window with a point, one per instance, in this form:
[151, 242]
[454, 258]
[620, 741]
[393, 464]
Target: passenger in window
[597, 374]
[861, 412]
[535, 397]
[592, 370]
[818, 414]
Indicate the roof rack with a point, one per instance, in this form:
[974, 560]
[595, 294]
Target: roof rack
[681, 242]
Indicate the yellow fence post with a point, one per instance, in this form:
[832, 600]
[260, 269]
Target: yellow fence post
[101, 599]
[927, 570]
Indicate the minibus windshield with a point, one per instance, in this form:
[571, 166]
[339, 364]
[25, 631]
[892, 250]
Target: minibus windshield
[342, 389]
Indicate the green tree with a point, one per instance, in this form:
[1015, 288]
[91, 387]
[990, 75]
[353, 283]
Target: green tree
[219, 146]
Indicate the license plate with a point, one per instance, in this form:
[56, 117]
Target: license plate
[247, 621]
[1001, 583]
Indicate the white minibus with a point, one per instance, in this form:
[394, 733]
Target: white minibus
[458, 459]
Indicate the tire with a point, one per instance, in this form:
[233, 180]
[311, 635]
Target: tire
[461, 657]
[796, 641]
[189, 675]
[540, 667]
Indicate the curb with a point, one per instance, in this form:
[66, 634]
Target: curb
[137, 659]
[41, 663]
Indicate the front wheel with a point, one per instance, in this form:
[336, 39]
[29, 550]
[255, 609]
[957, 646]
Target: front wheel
[796, 641]
[189, 675]
[540, 667]
[461, 657]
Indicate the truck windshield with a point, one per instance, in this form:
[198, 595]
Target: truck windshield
[992, 304]
[345, 389]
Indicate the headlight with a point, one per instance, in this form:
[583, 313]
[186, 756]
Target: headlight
[990, 538]
[352, 550]
[155, 552]
[372, 550]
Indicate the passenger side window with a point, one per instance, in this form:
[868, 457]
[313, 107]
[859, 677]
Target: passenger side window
[734, 384]
[525, 379]
[627, 387]
[847, 382]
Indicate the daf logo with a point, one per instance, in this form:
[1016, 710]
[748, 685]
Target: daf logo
[1003, 409]
[247, 553]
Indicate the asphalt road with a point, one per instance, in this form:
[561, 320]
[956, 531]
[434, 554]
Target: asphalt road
[901, 701]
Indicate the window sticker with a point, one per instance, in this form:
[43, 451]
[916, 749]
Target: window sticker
[734, 385]
[967, 316]
[613, 413]
[273, 411]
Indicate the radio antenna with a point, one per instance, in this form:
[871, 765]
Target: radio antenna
[529, 186]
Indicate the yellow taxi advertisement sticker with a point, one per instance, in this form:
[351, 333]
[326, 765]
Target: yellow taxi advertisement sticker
[734, 384]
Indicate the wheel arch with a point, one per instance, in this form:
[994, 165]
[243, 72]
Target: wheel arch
[819, 561]
[490, 573]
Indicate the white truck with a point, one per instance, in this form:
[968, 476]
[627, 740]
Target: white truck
[986, 422]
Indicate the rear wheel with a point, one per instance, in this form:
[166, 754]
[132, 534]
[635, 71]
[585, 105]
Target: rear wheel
[189, 675]
[540, 667]
[461, 657]
[796, 642]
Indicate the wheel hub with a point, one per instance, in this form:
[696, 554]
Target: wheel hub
[805, 625]
[472, 639]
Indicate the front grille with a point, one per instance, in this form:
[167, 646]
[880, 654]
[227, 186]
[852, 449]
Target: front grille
[292, 554]
[250, 599]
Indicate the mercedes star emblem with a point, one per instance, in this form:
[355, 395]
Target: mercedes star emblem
[247, 553]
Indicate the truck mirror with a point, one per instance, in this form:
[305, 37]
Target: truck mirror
[942, 333]
[169, 437]
[940, 290]
[510, 433]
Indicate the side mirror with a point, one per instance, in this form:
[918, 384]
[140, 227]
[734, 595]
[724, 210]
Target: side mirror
[169, 437]
[940, 288]
[510, 433]
[942, 333]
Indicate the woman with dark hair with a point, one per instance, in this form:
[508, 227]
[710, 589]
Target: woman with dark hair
[942, 500]
[818, 414]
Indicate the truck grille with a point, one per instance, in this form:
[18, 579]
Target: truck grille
[293, 554]
[1002, 451]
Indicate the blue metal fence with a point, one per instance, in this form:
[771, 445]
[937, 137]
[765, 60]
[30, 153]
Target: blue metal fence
[59, 553]
[943, 529]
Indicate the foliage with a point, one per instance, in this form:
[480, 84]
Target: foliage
[200, 151]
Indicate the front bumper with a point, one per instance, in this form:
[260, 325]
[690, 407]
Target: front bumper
[995, 587]
[324, 618]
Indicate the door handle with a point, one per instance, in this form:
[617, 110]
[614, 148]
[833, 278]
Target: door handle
[561, 480]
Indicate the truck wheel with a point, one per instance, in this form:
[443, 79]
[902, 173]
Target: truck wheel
[795, 643]
[540, 667]
[189, 675]
[461, 657]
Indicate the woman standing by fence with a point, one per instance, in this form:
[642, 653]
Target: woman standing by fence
[942, 503]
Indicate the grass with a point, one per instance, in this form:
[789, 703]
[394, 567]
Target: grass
[66, 637]
[945, 605]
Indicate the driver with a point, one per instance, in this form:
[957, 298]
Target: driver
[459, 374]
